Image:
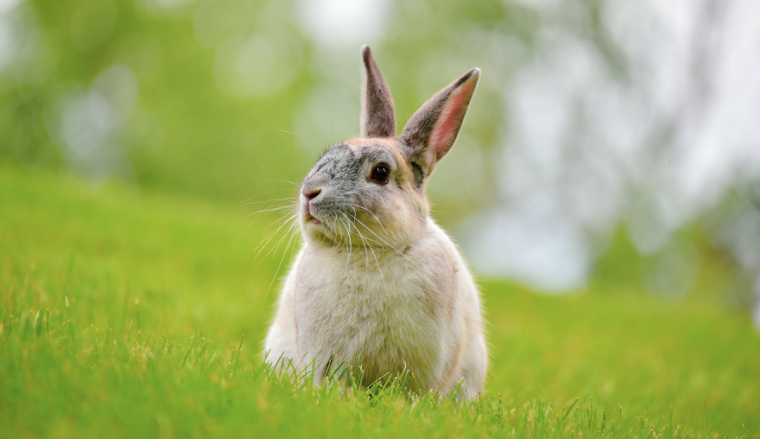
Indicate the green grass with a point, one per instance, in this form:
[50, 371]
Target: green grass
[123, 312]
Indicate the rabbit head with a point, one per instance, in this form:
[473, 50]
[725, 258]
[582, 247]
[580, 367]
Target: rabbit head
[370, 191]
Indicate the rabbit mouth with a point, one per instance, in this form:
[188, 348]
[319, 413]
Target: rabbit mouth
[312, 219]
[341, 224]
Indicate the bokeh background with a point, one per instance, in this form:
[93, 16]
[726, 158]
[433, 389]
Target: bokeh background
[609, 141]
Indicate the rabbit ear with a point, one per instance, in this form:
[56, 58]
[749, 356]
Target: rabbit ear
[378, 118]
[432, 130]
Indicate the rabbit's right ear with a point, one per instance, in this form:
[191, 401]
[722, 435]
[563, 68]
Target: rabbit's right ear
[378, 118]
[433, 129]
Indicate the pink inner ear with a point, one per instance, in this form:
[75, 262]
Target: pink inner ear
[447, 126]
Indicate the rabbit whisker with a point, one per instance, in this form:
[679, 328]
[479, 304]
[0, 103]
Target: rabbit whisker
[364, 245]
[377, 262]
[347, 225]
[354, 206]
[378, 237]
[302, 136]
[276, 271]
[350, 241]
[285, 235]
[248, 201]
[269, 238]
[382, 278]
[269, 210]
[298, 185]
[251, 200]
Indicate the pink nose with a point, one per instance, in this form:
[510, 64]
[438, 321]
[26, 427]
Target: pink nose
[310, 196]
[313, 194]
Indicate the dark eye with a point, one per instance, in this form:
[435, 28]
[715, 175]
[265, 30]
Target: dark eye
[380, 174]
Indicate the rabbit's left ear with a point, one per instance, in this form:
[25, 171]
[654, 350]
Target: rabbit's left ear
[378, 118]
[432, 130]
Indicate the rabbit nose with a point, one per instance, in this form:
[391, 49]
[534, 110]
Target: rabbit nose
[312, 194]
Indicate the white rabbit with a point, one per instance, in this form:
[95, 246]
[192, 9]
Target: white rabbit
[377, 282]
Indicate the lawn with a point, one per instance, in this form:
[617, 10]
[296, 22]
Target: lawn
[134, 313]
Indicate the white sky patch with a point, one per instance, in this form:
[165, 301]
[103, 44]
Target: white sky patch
[91, 119]
[163, 4]
[756, 307]
[7, 43]
[329, 115]
[8, 5]
[531, 243]
[344, 24]
[580, 136]
[261, 65]
[7, 38]
[537, 4]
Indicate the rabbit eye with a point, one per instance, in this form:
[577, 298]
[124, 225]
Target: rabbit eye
[380, 174]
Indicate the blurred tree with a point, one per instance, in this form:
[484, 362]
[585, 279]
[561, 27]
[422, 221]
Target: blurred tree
[596, 121]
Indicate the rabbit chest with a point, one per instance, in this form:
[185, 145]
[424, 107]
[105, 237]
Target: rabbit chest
[388, 312]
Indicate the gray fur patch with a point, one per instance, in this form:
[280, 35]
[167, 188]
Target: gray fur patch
[341, 174]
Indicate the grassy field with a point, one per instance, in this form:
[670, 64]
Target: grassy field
[138, 314]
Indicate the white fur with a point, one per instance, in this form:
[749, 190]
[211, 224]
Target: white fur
[378, 284]
[418, 311]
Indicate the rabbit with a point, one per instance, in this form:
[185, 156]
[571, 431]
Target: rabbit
[377, 282]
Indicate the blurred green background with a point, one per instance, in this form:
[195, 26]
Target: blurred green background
[611, 152]
[596, 124]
